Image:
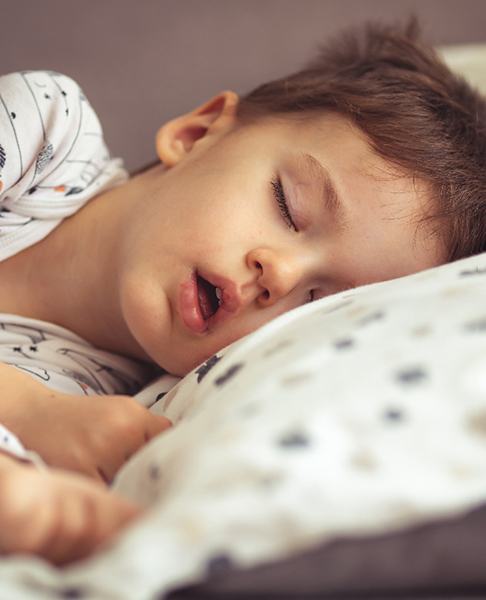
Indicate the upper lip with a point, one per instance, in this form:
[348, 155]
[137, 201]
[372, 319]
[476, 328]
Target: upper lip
[231, 300]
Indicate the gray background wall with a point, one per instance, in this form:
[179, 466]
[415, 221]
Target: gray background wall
[141, 62]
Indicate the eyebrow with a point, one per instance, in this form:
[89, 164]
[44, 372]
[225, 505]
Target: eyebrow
[320, 175]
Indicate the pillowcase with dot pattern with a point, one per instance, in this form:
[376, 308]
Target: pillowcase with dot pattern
[361, 413]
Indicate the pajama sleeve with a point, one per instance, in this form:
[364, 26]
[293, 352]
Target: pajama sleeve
[10, 444]
[53, 157]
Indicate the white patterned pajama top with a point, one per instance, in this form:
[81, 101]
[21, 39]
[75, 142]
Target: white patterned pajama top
[53, 159]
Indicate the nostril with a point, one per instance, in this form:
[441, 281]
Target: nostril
[266, 295]
[258, 266]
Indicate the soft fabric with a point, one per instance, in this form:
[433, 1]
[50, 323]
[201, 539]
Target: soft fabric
[53, 157]
[359, 414]
[63, 361]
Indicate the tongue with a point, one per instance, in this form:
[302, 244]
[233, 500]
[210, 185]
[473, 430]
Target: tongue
[205, 296]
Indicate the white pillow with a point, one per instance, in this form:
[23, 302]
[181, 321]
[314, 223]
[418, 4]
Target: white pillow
[361, 413]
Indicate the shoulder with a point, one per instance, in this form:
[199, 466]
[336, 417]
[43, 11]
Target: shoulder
[53, 156]
[43, 96]
[36, 82]
[42, 103]
[44, 118]
[44, 90]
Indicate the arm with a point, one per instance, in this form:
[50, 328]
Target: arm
[92, 435]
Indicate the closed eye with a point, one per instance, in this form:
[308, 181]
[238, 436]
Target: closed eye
[281, 200]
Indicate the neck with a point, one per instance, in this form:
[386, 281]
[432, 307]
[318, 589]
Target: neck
[70, 277]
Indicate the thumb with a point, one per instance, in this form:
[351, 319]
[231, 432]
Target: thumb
[157, 424]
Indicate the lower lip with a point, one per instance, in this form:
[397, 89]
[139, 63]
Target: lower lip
[189, 306]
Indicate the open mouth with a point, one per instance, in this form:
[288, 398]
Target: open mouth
[209, 297]
[206, 304]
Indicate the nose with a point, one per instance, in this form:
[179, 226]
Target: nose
[276, 274]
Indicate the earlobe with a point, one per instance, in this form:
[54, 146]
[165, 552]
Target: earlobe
[176, 138]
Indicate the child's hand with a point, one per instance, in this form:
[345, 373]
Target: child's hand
[93, 435]
[57, 515]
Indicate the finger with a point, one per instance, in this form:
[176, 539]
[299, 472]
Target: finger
[91, 517]
[123, 435]
[143, 427]
[110, 467]
[105, 478]
[81, 463]
[113, 514]
[75, 528]
[153, 426]
[94, 474]
[38, 531]
[156, 424]
[25, 511]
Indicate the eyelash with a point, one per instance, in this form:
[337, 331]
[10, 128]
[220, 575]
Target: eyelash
[279, 194]
[281, 200]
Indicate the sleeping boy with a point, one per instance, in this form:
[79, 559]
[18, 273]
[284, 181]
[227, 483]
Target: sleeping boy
[367, 165]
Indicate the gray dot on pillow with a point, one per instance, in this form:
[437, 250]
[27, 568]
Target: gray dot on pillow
[411, 376]
[477, 325]
[270, 481]
[476, 271]
[204, 369]
[393, 415]
[154, 471]
[476, 423]
[376, 315]
[228, 374]
[343, 344]
[294, 439]
[219, 563]
[71, 592]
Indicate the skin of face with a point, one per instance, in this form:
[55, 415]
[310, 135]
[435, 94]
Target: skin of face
[223, 218]
[210, 207]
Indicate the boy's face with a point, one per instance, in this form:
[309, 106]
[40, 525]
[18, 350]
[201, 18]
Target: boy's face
[217, 211]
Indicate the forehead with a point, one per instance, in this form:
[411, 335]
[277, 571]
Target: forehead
[333, 136]
[340, 141]
[342, 152]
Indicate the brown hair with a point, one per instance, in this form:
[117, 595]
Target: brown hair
[416, 113]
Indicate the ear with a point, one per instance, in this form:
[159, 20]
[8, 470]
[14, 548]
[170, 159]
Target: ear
[177, 137]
